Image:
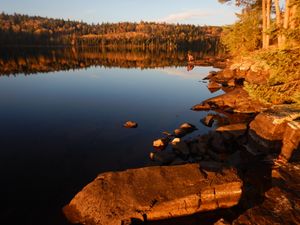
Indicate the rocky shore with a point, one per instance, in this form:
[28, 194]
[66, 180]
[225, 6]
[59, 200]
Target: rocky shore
[249, 164]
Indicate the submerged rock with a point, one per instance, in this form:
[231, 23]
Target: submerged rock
[130, 124]
[153, 193]
[184, 129]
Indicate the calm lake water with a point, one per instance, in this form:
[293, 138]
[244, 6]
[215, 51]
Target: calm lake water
[61, 123]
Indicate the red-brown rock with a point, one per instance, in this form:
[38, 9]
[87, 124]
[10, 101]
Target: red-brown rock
[153, 193]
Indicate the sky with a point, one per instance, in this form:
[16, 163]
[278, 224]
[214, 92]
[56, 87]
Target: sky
[198, 12]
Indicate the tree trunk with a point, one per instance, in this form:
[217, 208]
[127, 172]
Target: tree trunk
[268, 15]
[278, 23]
[293, 21]
[264, 20]
[286, 20]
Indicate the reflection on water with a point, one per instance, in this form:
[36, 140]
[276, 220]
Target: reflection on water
[27, 60]
[60, 129]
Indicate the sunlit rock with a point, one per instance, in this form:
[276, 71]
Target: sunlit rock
[153, 193]
[130, 124]
[161, 143]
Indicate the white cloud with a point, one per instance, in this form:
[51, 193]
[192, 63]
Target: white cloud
[185, 15]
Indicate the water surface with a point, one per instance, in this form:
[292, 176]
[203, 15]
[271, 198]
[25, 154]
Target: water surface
[61, 122]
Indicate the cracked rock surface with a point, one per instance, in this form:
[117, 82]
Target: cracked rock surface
[153, 193]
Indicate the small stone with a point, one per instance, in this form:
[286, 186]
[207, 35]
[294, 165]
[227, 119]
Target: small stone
[161, 143]
[187, 126]
[130, 124]
[180, 132]
[175, 140]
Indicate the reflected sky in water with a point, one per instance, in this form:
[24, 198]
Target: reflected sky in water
[60, 129]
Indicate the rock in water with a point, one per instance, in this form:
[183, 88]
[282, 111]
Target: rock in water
[184, 129]
[202, 106]
[213, 85]
[180, 132]
[161, 143]
[130, 124]
[153, 193]
[208, 120]
[187, 126]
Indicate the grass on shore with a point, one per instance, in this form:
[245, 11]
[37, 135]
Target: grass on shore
[284, 82]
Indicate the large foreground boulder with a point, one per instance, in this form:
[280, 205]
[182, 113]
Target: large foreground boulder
[153, 193]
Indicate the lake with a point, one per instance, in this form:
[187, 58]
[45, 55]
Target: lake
[61, 120]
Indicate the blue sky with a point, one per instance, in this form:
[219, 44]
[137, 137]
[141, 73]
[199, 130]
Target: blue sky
[198, 12]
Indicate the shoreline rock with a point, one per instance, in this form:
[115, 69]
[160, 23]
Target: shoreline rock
[153, 193]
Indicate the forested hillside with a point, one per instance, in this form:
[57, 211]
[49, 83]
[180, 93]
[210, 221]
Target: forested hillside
[34, 30]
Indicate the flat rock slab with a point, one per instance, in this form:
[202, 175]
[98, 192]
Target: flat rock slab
[238, 100]
[153, 193]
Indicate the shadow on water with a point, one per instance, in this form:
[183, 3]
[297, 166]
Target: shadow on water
[57, 134]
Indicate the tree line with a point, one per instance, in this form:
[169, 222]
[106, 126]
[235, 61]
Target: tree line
[263, 23]
[20, 29]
